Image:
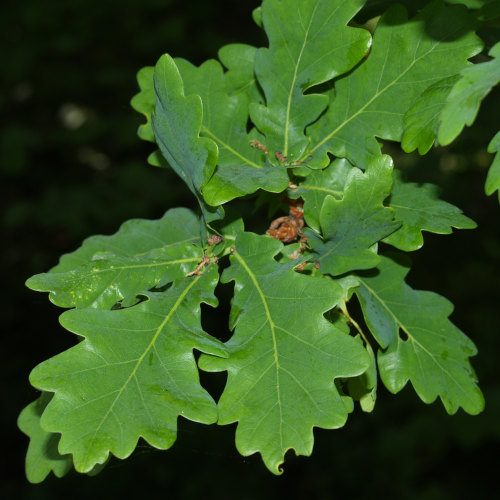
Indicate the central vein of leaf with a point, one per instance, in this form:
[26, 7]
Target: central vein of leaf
[292, 86]
[160, 328]
[273, 335]
[370, 101]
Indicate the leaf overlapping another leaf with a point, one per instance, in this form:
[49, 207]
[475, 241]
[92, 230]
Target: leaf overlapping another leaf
[351, 226]
[42, 457]
[309, 43]
[240, 169]
[407, 56]
[317, 186]
[431, 352]
[283, 356]
[132, 376]
[141, 255]
[177, 120]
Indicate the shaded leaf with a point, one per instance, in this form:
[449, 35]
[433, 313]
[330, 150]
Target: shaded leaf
[239, 59]
[493, 179]
[132, 376]
[351, 226]
[364, 387]
[177, 121]
[144, 103]
[318, 185]
[418, 208]
[42, 457]
[423, 119]
[419, 342]
[406, 58]
[309, 43]
[283, 356]
[141, 255]
[241, 169]
[465, 98]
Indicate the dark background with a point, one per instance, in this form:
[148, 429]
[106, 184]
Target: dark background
[72, 166]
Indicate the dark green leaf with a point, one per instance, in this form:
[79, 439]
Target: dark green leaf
[241, 169]
[419, 342]
[177, 121]
[284, 355]
[493, 179]
[317, 186]
[309, 43]
[418, 208]
[351, 226]
[406, 58]
[132, 376]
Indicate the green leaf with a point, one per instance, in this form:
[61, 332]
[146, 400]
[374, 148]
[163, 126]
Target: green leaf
[419, 342]
[351, 226]
[141, 255]
[465, 98]
[423, 119]
[309, 43]
[284, 355]
[364, 387]
[240, 168]
[418, 208]
[406, 58]
[177, 121]
[318, 185]
[239, 59]
[493, 179]
[144, 102]
[132, 376]
[42, 457]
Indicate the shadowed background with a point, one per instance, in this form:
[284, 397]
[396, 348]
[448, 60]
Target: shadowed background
[72, 166]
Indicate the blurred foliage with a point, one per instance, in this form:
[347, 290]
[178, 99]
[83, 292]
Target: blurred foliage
[72, 166]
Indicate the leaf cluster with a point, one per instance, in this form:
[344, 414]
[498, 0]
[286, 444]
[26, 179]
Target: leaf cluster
[299, 124]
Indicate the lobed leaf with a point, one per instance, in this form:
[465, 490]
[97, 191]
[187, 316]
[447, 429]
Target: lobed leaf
[177, 120]
[132, 375]
[309, 43]
[241, 168]
[419, 342]
[407, 57]
[318, 185]
[42, 457]
[466, 95]
[352, 226]
[493, 179]
[239, 59]
[418, 208]
[141, 255]
[284, 355]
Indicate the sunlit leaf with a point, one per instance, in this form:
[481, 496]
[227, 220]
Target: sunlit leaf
[132, 376]
[141, 255]
[284, 355]
[493, 179]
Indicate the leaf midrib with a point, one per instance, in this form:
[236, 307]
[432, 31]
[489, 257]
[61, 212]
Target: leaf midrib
[262, 296]
[141, 358]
